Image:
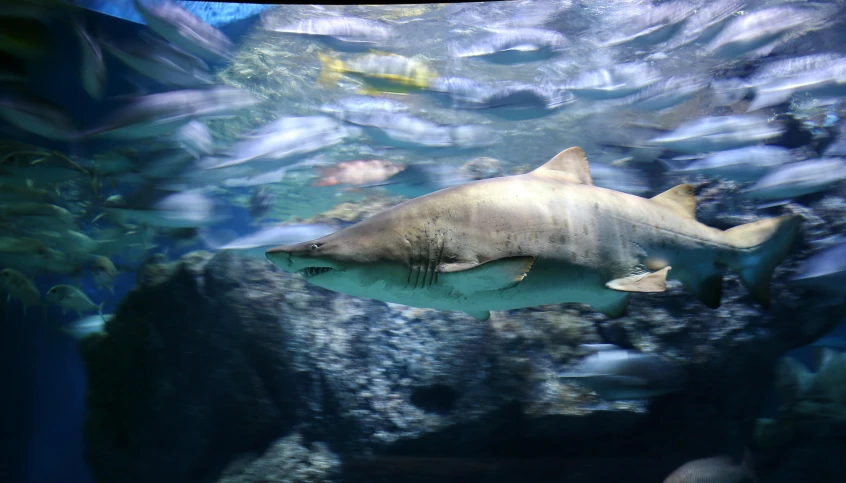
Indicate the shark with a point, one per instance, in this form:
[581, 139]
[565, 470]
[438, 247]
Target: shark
[549, 236]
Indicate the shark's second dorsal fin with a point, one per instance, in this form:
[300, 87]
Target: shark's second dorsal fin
[680, 198]
[571, 163]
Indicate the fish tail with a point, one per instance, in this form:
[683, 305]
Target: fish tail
[759, 247]
[330, 70]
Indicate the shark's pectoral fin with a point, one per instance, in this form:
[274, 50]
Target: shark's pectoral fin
[646, 282]
[481, 315]
[497, 274]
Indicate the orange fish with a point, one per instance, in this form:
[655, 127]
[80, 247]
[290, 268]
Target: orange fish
[358, 173]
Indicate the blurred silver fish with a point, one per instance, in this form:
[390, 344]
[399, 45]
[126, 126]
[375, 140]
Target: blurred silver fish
[37, 115]
[515, 46]
[362, 105]
[274, 146]
[620, 80]
[827, 80]
[421, 179]
[743, 164]
[618, 179]
[184, 29]
[405, 131]
[658, 24]
[195, 138]
[68, 297]
[720, 469]
[706, 22]
[92, 67]
[666, 93]
[92, 324]
[162, 113]
[261, 201]
[718, 134]
[617, 374]
[161, 62]
[825, 270]
[798, 179]
[346, 34]
[759, 31]
[506, 100]
[186, 209]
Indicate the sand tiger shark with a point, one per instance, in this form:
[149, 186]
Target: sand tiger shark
[545, 237]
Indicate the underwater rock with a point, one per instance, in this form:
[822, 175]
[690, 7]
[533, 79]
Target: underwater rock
[288, 460]
[232, 354]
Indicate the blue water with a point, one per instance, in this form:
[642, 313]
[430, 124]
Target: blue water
[213, 13]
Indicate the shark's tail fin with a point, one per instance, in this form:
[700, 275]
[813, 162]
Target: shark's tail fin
[760, 246]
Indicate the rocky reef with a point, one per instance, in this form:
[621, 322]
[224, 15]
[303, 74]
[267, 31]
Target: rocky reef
[222, 368]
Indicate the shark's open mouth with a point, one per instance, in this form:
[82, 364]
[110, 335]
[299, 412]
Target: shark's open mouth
[309, 272]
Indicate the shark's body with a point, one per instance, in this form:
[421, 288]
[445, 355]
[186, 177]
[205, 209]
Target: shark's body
[546, 237]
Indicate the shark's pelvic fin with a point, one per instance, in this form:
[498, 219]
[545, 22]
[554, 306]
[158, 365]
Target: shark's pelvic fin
[680, 199]
[497, 274]
[480, 315]
[645, 282]
[571, 163]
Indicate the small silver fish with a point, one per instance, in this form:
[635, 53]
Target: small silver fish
[720, 469]
[718, 133]
[104, 272]
[68, 297]
[92, 324]
[92, 67]
[20, 287]
[617, 374]
[345, 34]
[798, 179]
[184, 29]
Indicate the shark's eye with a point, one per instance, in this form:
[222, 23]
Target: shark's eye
[314, 247]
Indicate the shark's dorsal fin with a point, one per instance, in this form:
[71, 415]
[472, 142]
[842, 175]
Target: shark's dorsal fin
[680, 199]
[571, 163]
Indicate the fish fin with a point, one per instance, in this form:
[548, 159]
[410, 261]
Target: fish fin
[823, 356]
[331, 70]
[768, 99]
[704, 280]
[616, 308]
[499, 274]
[748, 465]
[646, 282]
[759, 247]
[480, 315]
[100, 308]
[572, 163]
[680, 199]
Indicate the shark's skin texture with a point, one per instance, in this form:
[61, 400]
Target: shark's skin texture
[546, 237]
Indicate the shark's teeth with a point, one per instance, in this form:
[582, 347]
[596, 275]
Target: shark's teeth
[312, 271]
